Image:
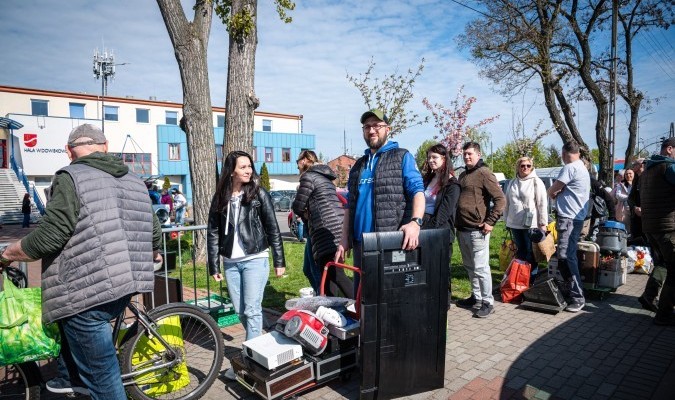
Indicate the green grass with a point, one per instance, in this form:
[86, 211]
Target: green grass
[279, 290]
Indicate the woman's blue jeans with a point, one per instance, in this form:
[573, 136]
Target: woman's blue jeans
[310, 269]
[246, 282]
[521, 238]
[180, 215]
[26, 221]
[88, 350]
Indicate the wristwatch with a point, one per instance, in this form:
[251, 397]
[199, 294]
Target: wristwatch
[418, 221]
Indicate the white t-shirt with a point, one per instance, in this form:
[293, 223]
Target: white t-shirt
[238, 253]
[572, 202]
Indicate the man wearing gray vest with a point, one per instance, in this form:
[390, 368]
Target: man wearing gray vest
[97, 241]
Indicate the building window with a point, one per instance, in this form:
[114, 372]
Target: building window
[138, 163]
[268, 154]
[39, 107]
[142, 115]
[219, 154]
[174, 151]
[77, 110]
[286, 155]
[110, 113]
[172, 117]
[267, 125]
[220, 121]
[254, 154]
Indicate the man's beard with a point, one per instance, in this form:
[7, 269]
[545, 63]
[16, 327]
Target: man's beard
[377, 144]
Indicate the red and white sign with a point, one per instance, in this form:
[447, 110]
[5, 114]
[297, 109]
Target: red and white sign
[29, 139]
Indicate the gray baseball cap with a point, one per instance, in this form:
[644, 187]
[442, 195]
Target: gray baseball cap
[89, 131]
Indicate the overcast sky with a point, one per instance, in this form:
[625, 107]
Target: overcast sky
[300, 67]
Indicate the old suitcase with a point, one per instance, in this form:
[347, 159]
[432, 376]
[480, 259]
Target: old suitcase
[276, 383]
[588, 254]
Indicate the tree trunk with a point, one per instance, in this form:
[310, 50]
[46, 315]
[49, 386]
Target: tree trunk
[632, 133]
[631, 96]
[554, 113]
[600, 100]
[569, 121]
[241, 102]
[190, 42]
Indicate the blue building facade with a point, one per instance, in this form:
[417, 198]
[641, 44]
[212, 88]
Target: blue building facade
[277, 150]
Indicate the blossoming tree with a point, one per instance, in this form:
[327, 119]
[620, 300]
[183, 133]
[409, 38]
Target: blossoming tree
[451, 121]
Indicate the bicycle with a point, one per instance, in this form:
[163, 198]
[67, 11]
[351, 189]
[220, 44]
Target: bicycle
[174, 351]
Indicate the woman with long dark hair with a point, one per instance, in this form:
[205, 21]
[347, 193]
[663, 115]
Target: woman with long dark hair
[318, 204]
[441, 193]
[242, 227]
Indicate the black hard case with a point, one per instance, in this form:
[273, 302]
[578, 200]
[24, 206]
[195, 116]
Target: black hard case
[403, 314]
[328, 366]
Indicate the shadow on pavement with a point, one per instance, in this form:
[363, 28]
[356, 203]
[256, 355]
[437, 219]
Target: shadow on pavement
[610, 350]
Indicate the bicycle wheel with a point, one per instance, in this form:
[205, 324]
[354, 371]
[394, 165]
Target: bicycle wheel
[20, 382]
[199, 343]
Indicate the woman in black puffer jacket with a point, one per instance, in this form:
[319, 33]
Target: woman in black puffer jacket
[318, 205]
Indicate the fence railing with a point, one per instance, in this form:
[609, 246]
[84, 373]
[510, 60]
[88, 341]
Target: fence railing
[30, 189]
[194, 282]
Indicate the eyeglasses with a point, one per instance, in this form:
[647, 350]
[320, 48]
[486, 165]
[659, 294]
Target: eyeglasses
[367, 128]
[525, 165]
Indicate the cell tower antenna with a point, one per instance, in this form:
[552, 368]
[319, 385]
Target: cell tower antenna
[104, 69]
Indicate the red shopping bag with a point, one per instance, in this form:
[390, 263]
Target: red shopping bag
[516, 281]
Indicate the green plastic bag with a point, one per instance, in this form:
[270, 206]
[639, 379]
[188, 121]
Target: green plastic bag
[23, 337]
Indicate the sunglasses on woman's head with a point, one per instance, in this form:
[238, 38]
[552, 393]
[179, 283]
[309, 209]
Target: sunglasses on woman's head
[525, 165]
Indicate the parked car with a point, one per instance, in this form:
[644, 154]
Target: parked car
[282, 199]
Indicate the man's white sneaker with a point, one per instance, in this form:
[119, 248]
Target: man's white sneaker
[575, 307]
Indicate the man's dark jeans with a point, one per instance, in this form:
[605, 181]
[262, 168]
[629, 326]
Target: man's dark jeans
[88, 350]
[569, 231]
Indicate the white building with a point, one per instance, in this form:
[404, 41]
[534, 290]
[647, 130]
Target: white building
[144, 132]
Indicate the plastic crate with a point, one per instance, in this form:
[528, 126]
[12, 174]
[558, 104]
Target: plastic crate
[219, 307]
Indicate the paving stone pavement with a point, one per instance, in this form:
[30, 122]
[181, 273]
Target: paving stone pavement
[609, 350]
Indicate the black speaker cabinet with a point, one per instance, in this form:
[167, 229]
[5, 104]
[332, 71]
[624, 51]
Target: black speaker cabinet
[164, 286]
[403, 314]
